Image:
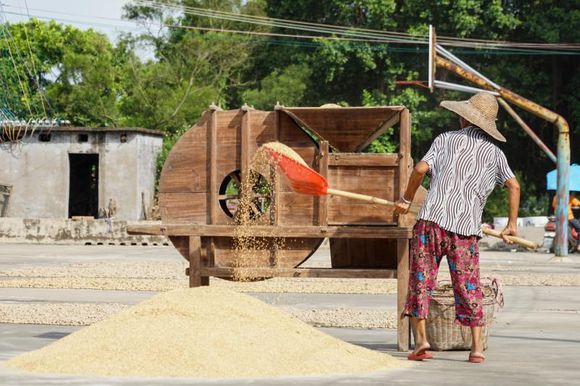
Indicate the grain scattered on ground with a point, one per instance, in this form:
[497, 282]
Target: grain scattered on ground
[348, 318]
[58, 314]
[145, 270]
[114, 284]
[167, 276]
[161, 276]
[85, 314]
[204, 332]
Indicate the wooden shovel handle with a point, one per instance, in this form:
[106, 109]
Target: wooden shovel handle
[380, 201]
[363, 197]
[514, 239]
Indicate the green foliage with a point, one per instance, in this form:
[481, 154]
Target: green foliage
[50, 69]
[80, 76]
[286, 86]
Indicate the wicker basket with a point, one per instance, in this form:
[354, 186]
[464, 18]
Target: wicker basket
[442, 331]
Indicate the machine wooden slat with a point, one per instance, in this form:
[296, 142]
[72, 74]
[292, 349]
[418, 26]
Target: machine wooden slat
[405, 162]
[366, 159]
[323, 170]
[212, 168]
[364, 232]
[377, 181]
[304, 272]
[403, 330]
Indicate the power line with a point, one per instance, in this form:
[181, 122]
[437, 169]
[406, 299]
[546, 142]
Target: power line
[42, 96]
[478, 51]
[4, 30]
[349, 31]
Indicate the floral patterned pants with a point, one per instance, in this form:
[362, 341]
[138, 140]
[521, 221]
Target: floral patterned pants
[430, 243]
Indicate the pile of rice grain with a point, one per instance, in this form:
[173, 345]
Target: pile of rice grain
[202, 332]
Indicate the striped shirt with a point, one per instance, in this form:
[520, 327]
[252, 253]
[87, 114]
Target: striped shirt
[465, 166]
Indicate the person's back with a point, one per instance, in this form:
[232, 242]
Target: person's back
[465, 166]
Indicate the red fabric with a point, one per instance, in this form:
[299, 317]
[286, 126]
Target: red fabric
[430, 243]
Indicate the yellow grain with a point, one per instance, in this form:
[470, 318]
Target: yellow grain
[202, 333]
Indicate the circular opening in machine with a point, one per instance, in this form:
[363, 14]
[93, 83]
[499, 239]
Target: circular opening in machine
[230, 194]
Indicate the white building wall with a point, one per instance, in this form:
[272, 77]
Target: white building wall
[39, 172]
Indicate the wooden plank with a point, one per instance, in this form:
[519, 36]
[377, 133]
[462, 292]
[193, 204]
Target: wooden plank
[305, 272]
[393, 120]
[208, 250]
[245, 141]
[295, 209]
[212, 168]
[344, 128]
[373, 181]
[184, 207]
[403, 332]
[405, 162]
[293, 252]
[213, 190]
[367, 160]
[185, 169]
[323, 170]
[363, 232]
[194, 251]
[276, 203]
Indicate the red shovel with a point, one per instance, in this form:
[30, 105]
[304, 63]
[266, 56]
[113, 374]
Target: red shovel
[302, 179]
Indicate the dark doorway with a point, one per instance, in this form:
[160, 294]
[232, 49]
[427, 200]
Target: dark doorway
[84, 185]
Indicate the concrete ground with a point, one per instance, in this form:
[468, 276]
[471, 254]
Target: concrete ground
[535, 340]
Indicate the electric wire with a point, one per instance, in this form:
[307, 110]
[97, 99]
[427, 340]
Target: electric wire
[361, 32]
[481, 51]
[24, 92]
[42, 96]
[378, 36]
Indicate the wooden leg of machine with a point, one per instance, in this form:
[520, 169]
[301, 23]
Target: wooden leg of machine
[210, 253]
[403, 332]
[195, 279]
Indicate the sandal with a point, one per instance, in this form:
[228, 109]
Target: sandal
[476, 358]
[420, 356]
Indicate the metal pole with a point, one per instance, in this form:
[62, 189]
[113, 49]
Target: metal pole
[460, 87]
[563, 153]
[461, 63]
[527, 129]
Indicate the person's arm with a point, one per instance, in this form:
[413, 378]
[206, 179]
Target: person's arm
[514, 204]
[415, 180]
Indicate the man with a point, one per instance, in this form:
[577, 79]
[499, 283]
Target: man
[573, 203]
[465, 165]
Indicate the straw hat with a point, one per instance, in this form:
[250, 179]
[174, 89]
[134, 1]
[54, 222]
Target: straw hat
[480, 110]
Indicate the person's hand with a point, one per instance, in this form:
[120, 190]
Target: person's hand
[401, 207]
[509, 230]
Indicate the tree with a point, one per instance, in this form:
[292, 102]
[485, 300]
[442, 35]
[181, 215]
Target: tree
[192, 67]
[54, 71]
[365, 73]
[287, 87]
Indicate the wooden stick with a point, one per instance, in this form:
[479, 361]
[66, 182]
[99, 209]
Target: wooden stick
[360, 197]
[380, 201]
[514, 239]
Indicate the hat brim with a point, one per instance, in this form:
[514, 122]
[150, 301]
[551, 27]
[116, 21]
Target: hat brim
[466, 110]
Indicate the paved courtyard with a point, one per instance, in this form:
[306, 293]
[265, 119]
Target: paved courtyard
[535, 339]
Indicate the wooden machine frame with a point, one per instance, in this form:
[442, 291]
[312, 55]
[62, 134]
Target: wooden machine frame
[197, 241]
